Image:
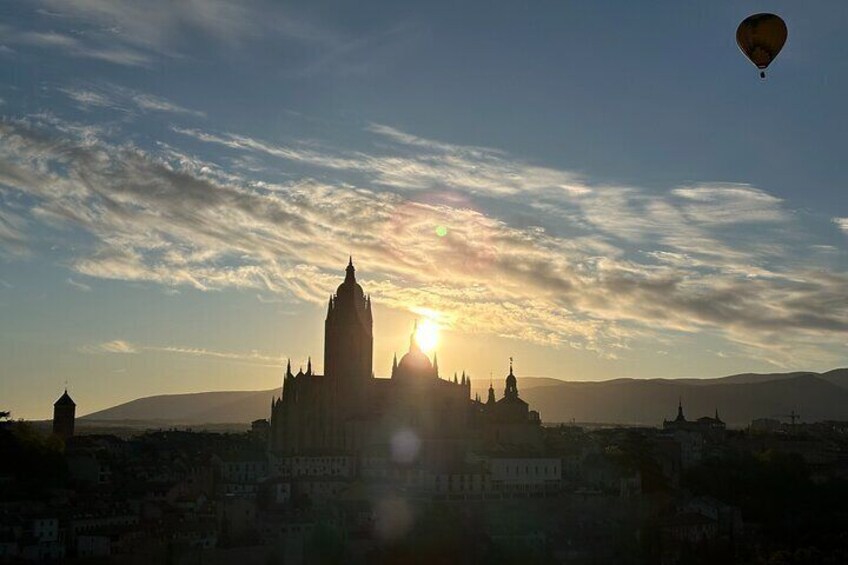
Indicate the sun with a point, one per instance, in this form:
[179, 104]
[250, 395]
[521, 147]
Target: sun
[427, 335]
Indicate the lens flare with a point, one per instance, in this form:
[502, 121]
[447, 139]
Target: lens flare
[405, 446]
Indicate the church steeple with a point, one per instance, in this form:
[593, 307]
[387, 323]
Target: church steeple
[435, 365]
[348, 337]
[64, 411]
[680, 416]
[491, 400]
[309, 366]
[511, 389]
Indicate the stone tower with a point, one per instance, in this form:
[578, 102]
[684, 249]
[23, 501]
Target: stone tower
[64, 411]
[348, 337]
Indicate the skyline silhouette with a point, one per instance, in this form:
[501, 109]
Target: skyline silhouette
[423, 282]
[582, 193]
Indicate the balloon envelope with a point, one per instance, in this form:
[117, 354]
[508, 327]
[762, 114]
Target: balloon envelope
[761, 37]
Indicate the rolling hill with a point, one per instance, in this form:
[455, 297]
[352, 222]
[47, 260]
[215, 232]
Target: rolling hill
[738, 398]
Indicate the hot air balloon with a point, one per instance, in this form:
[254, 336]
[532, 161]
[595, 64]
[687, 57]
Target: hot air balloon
[761, 37]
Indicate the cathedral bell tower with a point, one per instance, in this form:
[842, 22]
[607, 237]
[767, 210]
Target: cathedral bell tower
[348, 337]
[64, 410]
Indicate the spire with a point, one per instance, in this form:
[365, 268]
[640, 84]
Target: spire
[350, 271]
[463, 378]
[309, 366]
[716, 416]
[330, 306]
[435, 364]
[491, 399]
[454, 379]
[680, 417]
[394, 363]
[288, 368]
[511, 389]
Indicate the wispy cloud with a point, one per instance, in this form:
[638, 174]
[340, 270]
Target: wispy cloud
[71, 45]
[161, 24]
[251, 356]
[78, 285]
[442, 167]
[112, 96]
[114, 346]
[12, 232]
[628, 265]
[130, 33]
[842, 223]
[124, 347]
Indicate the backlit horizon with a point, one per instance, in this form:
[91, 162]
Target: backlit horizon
[178, 202]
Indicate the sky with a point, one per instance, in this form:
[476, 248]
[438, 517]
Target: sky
[597, 189]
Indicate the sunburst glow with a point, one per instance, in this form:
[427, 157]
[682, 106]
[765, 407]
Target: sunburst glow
[427, 335]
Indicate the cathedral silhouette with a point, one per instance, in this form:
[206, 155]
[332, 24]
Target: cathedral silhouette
[347, 410]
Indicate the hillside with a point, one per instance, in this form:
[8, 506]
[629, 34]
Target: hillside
[649, 402]
[738, 398]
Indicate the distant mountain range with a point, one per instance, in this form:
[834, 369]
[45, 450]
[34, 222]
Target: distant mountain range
[738, 399]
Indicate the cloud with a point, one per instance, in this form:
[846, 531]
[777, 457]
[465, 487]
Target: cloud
[112, 96]
[124, 347]
[133, 34]
[114, 346]
[130, 33]
[78, 285]
[630, 265]
[441, 167]
[729, 204]
[89, 98]
[12, 237]
[252, 356]
[160, 24]
[70, 45]
[842, 223]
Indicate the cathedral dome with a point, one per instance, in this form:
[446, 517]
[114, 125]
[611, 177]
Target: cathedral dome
[415, 361]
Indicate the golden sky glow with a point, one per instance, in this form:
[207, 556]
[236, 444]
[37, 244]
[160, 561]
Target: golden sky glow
[178, 202]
